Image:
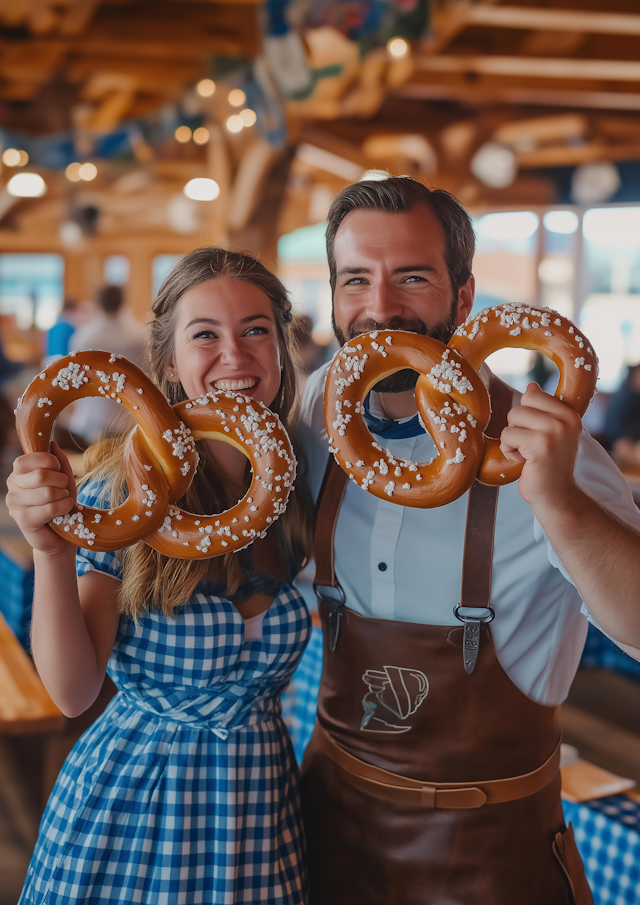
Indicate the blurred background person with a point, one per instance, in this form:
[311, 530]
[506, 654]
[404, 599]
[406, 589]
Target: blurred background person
[59, 336]
[112, 329]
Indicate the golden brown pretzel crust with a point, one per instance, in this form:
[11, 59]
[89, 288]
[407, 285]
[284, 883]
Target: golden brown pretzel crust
[541, 330]
[452, 402]
[160, 459]
[451, 399]
[167, 457]
[258, 433]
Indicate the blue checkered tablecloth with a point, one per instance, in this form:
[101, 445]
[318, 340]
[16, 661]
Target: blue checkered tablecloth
[16, 597]
[607, 832]
[300, 700]
[601, 653]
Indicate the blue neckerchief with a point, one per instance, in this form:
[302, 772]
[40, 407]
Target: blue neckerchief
[391, 430]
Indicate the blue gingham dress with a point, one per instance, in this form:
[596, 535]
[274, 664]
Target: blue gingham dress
[185, 790]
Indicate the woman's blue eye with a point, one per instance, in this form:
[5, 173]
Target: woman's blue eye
[256, 331]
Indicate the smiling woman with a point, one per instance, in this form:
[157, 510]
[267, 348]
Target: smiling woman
[200, 650]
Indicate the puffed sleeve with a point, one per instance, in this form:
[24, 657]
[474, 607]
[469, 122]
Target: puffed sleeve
[92, 494]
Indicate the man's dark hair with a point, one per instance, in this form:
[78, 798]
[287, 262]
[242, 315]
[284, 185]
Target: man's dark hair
[396, 195]
[110, 298]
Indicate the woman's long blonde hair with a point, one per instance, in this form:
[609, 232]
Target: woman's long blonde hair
[149, 578]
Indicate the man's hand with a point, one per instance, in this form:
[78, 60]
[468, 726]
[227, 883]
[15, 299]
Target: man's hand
[544, 433]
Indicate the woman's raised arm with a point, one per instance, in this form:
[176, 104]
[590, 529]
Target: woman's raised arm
[74, 623]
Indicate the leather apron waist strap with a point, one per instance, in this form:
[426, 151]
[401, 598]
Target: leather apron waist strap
[403, 790]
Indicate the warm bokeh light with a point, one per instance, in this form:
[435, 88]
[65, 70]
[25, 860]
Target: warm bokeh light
[26, 185]
[88, 172]
[73, 172]
[206, 87]
[11, 157]
[202, 189]
[237, 97]
[397, 48]
[201, 136]
[248, 116]
[235, 124]
[182, 134]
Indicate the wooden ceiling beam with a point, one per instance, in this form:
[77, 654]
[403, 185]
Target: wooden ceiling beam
[535, 67]
[574, 155]
[143, 71]
[591, 98]
[539, 19]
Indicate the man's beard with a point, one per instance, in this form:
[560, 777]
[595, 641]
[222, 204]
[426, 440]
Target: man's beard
[401, 381]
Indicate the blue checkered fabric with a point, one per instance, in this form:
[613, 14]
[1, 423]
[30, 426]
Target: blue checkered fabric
[16, 597]
[185, 790]
[607, 832]
[300, 700]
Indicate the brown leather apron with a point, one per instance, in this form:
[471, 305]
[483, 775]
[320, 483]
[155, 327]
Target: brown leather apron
[431, 779]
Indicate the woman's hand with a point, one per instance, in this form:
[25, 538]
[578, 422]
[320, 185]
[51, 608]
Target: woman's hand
[41, 487]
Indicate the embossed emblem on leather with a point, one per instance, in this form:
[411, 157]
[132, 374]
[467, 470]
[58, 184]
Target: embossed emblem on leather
[395, 693]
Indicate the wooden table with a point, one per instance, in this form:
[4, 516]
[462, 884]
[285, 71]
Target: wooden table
[25, 706]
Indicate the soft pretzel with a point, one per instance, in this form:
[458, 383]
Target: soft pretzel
[258, 433]
[541, 330]
[159, 466]
[452, 401]
[160, 459]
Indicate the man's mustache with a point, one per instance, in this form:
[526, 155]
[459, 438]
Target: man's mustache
[411, 325]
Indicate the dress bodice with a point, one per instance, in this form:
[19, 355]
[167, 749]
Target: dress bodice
[197, 668]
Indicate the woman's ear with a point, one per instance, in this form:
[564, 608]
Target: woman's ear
[171, 375]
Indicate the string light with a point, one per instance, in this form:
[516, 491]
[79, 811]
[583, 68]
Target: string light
[397, 48]
[206, 87]
[88, 172]
[201, 136]
[202, 189]
[235, 124]
[248, 117]
[73, 172]
[182, 134]
[14, 158]
[237, 97]
[26, 185]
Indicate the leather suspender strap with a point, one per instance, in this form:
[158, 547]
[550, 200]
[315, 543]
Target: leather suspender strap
[478, 549]
[404, 790]
[326, 585]
[474, 608]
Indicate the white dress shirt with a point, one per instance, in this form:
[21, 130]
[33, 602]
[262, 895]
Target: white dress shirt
[402, 563]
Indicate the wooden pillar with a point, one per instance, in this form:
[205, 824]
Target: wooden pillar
[218, 168]
[74, 275]
[140, 287]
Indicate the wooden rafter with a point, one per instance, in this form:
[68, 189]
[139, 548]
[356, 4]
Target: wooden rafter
[535, 18]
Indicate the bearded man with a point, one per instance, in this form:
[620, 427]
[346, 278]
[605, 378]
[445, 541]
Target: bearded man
[426, 783]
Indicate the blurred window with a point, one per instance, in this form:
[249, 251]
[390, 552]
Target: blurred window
[610, 315]
[161, 268]
[116, 270]
[32, 288]
[505, 270]
[303, 268]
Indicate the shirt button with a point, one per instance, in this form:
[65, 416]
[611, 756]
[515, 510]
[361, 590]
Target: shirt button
[382, 566]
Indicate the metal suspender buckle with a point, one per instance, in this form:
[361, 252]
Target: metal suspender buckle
[335, 598]
[472, 617]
